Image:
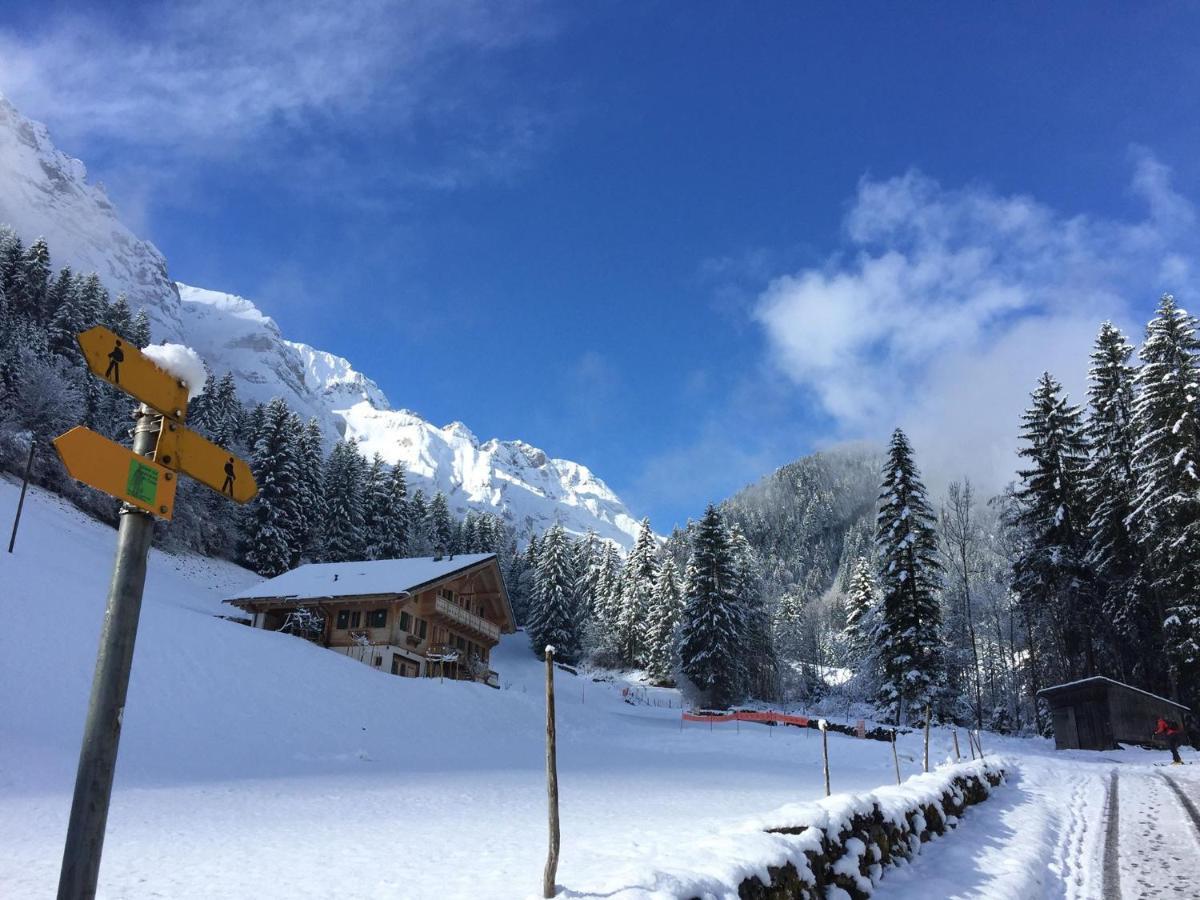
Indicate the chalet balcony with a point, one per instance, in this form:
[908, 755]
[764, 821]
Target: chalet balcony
[458, 616]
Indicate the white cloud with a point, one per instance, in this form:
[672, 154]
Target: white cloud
[215, 77]
[947, 303]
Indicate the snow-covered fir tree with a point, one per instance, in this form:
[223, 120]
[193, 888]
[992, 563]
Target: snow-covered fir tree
[1110, 486]
[310, 479]
[1166, 511]
[861, 614]
[36, 281]
[587, 566]
[440, 524]
[666, 610]
[343, 536]
[139, 329]
[524, 587]
[637, 593]
[375, 507]
[1049, 574]
[274, 517]
[553, 613]
[393, 532]
[419, 541]
[758, 645]
[908, 641]
[712, 625]
[67, 320]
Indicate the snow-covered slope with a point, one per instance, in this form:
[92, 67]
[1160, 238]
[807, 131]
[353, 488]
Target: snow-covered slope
[257, 765]
[43, 192]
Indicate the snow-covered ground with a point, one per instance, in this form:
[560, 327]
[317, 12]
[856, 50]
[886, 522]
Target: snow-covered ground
[1046, 834]
[257, 765]
[253, 764]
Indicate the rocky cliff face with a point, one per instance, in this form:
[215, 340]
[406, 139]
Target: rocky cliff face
[45, 193]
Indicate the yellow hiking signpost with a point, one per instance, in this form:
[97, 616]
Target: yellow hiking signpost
[116, 470]
[144, 477]
[123, 365]
[186, 451]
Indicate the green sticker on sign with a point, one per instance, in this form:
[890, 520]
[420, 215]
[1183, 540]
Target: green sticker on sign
[143, 481]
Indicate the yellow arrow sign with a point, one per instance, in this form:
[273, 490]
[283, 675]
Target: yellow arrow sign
[186, 451]
[116, 470]
[122, 364]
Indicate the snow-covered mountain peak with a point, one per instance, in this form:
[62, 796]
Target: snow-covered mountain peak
[45, 193]
[459, 430]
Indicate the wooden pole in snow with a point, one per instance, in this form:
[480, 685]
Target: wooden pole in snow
[895, 756]
[926, 737]
[551, 780]
[825, 752]
[957, 755]
[979, 741]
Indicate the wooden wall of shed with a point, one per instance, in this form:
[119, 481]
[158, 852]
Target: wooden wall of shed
[1134, 715]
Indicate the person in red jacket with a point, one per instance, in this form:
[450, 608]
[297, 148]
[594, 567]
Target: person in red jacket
[1173, 735]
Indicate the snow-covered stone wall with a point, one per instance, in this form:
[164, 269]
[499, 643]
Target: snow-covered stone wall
[845, 843]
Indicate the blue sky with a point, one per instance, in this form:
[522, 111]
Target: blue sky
[683, 243]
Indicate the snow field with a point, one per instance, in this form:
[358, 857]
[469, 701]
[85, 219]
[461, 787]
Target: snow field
[254, 764]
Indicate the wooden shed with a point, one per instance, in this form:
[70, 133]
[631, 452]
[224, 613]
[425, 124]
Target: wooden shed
[1098, 713]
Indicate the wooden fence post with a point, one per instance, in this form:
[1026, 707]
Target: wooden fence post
[825, 752]
[979, 741]
[926, 737]
[895, 756]
[957, 755]
[551, 780]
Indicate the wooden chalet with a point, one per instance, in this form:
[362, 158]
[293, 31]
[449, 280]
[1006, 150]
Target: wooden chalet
[429, 616]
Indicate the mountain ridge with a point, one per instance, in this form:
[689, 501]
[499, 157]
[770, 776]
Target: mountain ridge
[46, 193]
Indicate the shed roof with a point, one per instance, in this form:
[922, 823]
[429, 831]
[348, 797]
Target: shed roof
[1098, 680]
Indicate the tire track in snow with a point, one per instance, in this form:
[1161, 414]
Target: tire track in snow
[1112, 862]
[1188, 805]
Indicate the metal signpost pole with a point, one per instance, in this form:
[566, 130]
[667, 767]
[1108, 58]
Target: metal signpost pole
[24, 485]
[102, 731]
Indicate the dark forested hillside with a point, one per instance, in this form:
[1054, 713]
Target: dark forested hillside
[809, 517]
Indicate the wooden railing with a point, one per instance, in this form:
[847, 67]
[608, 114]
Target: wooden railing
[467, 619]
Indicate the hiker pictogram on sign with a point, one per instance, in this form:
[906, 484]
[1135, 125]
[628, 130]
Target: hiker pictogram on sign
[115, 358]
[230, 478]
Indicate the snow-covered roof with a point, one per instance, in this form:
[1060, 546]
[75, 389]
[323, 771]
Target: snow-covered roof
[1054, 689]
[357, 579]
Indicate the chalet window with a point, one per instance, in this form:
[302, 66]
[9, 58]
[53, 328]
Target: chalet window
[377, 618]
[343, 620]
[355, 619]
[405, 622]
[422, 628]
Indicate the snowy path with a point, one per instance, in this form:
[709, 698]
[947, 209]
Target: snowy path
[1158, 846]
[1047, 835]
